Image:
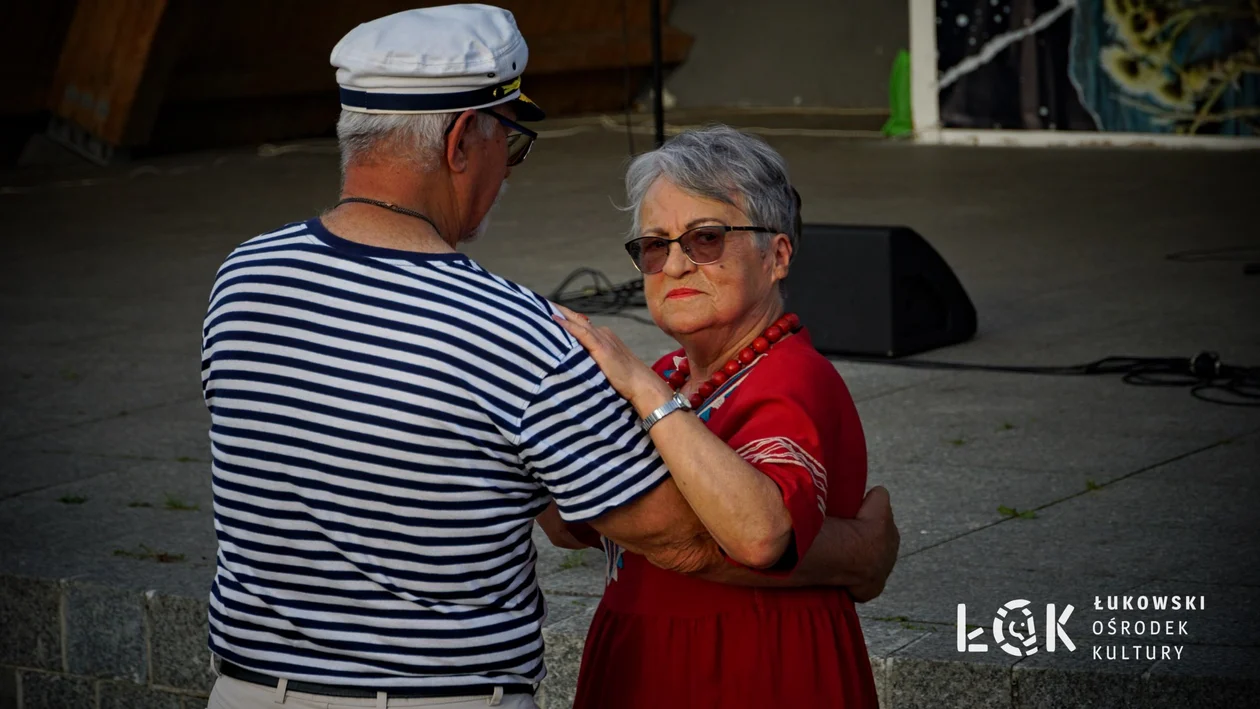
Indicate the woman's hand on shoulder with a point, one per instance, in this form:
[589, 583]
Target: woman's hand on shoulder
[632, 379]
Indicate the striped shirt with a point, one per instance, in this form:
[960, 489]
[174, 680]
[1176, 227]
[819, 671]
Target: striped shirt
[385, 425]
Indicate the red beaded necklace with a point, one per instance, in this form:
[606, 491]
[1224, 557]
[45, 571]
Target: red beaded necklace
[781, 328]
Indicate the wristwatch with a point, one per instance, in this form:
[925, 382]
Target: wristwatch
[677, 402]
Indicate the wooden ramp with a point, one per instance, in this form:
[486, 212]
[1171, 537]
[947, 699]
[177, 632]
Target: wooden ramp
[159, 75]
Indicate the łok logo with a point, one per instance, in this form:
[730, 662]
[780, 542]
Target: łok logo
[1016, 632]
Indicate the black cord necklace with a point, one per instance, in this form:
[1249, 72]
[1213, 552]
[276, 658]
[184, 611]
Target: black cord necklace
[393, 208]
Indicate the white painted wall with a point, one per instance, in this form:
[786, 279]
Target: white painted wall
[828, 53]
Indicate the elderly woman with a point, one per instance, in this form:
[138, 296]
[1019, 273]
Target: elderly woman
[716, 224]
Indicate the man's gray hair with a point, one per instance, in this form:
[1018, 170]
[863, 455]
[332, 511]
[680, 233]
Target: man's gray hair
[417, 137]
[722, 164]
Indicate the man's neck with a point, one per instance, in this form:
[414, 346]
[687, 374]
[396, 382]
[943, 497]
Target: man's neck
[426, 193]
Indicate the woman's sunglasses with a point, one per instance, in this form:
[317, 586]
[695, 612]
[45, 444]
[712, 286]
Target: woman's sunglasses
[519, 140]
[702, 245]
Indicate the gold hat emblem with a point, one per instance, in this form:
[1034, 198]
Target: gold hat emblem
[505, 89]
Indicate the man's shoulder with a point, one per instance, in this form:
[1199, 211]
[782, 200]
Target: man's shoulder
[291, 229]
[531, 311]
[531, 304]
[289, 234]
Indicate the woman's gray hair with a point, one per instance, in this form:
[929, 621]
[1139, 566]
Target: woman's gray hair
[417, 137]
[722, 164]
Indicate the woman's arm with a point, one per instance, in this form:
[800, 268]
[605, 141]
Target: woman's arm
[858, 554]
[741, 507]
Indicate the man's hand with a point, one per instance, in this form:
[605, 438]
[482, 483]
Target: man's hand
[857, 554]
[878, 530]
[557, 530]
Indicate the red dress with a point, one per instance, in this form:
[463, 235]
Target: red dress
[661, 639]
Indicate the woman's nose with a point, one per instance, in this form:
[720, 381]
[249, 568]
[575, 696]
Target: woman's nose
[677, 264]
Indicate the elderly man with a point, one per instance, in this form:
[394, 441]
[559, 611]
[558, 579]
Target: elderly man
[388, 418]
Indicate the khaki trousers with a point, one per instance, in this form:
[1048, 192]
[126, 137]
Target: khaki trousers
[231, 693]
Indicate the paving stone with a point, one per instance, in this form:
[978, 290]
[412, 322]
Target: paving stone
[914, 426]
[1068, 680]
[180, 628]
[1229, 465]
[128, 695]
[30, 622]
[28, 471]
[82, 378]
[42, 690]
[884, 639]
[105, 632]
[927, 588]
[110, 540]
[564, 641]
[931, 673]
[175, 428]
[1209, 677]
[8, 687]
[916, 490]
[585, 580]
[103, 313]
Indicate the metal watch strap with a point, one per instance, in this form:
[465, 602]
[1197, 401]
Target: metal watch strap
[677, 402]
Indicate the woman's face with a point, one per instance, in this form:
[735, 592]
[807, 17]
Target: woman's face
[740, 286]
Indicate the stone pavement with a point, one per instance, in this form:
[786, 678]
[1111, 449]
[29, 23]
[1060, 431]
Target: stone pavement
[1050, 489]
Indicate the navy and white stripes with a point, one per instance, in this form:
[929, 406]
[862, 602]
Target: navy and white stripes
[385, 426]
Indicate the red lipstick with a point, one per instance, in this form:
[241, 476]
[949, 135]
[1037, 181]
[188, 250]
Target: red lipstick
[682, 293]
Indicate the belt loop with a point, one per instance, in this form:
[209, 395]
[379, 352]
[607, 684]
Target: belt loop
[497, 698]
[282, 689]
[382, 700]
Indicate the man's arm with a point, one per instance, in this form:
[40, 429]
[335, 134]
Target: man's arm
[856, 553]
[574, 424]
[663, 528]
[561, 533]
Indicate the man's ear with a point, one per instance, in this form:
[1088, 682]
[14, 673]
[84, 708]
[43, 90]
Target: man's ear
[456, 153]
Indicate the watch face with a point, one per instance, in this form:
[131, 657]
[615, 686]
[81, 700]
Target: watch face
[682, 401]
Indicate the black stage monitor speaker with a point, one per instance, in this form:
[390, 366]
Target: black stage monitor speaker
[876, 291]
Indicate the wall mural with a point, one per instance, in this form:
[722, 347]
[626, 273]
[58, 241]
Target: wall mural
[1148, 66]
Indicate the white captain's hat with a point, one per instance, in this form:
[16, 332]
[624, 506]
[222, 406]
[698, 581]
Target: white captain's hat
[434, 60]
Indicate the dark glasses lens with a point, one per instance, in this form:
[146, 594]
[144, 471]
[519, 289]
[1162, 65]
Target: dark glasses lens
[518, 145]
[649, 253]
[702, 246]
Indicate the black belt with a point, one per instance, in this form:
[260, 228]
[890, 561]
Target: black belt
[229, 669]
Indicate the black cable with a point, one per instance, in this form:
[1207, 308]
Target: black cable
[1244, 254]
[1208, 378]
[602, 296]
[1227, 253]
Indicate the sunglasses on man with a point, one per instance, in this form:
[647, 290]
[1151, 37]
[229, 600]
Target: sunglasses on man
[519, 140]
[702, 245]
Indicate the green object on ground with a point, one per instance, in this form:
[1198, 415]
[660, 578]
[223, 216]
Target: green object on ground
[899, 120]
